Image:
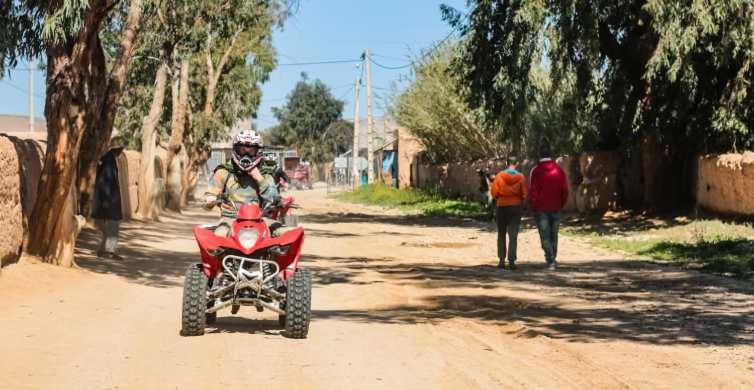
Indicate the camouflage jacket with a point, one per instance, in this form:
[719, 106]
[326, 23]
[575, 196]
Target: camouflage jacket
[241, 187]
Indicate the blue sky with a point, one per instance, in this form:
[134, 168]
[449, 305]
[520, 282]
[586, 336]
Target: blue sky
[321, 30]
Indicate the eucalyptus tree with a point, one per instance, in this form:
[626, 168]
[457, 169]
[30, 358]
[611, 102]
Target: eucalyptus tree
[66, 33]
[662, 79]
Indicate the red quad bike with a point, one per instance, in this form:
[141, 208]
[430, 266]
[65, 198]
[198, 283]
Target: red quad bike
[249, 268]
[301, 177]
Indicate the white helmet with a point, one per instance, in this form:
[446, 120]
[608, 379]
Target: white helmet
[246, 161]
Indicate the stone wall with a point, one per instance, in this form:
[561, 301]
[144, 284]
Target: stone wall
[598, 190]
[725, 184]
[11, 217]
[20, 167]
[129, 166]
[592, 179]
[408, 151]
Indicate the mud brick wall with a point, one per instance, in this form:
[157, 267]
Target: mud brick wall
[129, 166]
[598, 190]
[726, 183]
[20, 167]
[408, 151]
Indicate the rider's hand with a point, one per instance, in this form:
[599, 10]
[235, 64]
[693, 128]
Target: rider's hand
[257, 175]
[210, 201]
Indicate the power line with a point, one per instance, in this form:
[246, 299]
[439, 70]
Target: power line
[343, 96]
[388, 57]
[389, 67]
[21, 89]
[320, 62]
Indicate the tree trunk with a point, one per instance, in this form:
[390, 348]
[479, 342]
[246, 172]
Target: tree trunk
[98, 132]
[213, 74]
[176, 133]
[75, 89]
[148, 146]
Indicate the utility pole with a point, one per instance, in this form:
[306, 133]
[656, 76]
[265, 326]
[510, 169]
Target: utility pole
[370, 120]
[31, 99]
[356, 128]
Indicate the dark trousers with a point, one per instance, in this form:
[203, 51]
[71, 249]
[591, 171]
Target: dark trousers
[548, 224]
[508, 223]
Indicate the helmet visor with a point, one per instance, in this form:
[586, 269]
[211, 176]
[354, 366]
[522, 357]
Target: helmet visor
[245, 150]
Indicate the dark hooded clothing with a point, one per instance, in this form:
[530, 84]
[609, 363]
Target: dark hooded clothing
[107, 200]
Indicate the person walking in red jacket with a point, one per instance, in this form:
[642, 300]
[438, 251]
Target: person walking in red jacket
[548, 194]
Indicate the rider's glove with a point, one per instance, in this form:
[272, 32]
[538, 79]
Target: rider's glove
[210, 200]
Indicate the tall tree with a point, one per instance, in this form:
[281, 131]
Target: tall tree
[501, 43]
[309, 111]
[434, 103]
[67, 33]
[237, 56]
[98, 131]
[665, 80]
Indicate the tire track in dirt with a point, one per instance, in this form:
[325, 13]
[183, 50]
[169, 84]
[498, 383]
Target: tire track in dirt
[399, 302]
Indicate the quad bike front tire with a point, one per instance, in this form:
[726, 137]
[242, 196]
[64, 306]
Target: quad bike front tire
[211, 317]
[298, 306]
[194, 317]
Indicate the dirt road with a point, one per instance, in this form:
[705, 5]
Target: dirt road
[400, 302]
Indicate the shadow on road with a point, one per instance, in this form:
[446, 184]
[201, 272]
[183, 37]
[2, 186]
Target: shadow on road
[628, 300]
[244, 325]
[154, 254]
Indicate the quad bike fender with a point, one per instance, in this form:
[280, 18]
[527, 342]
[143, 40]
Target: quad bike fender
[294, 239]
[209, 242]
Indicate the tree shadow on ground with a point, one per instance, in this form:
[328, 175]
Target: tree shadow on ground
[621, 224]
[141, 261]
[629, 300]
[664, 325]
[401, 220]
[235, 324]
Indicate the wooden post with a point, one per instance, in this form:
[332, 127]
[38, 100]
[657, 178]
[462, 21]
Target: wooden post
[370, 120]
[356, 129]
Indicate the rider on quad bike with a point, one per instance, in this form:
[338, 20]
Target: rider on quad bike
[249, 258]
[243, 180]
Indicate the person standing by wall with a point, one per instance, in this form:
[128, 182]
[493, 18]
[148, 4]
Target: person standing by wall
[547, 197]
[509, 191]
[107, 209]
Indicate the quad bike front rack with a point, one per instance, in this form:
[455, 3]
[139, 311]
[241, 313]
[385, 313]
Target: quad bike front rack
[252, 279]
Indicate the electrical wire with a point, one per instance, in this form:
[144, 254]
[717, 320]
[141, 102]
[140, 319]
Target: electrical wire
[320, 62]
[21, 89]
[343, 96]
[389, 67]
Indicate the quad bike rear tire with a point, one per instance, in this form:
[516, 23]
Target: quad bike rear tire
[298, 306]
[194, 317]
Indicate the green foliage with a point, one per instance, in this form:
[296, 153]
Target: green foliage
[711, 246]
[180, 28]
[27, 25]
[433, 107]
[311, 121]
[678, 70]
[424, 202]
[501, 42]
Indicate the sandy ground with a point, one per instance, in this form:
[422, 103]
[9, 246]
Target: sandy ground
[399, 302]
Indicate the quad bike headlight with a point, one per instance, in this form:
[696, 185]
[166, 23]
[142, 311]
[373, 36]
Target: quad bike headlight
[248, 237]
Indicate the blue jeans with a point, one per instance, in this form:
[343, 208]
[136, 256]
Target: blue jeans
[548, 223]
